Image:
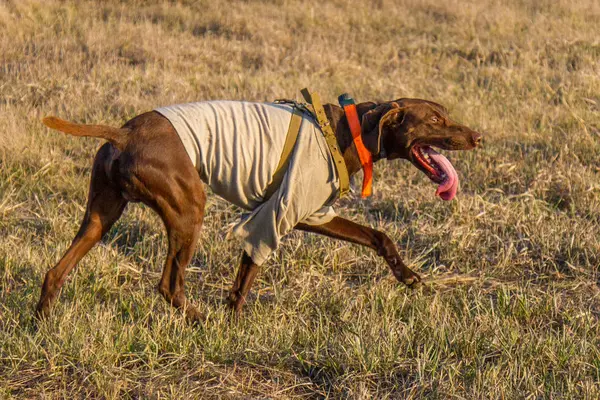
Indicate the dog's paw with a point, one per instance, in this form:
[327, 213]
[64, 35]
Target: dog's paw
[42, 311]
[410, 278]
[194, 316]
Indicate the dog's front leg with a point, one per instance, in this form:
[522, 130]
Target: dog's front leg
[242, 284]
[340, 228]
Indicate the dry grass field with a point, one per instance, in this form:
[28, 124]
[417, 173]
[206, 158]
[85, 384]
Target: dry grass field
[512, 307]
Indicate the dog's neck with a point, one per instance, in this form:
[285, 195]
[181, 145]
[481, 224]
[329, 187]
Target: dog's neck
[337, 117]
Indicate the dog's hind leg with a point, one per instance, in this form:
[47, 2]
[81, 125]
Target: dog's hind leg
[177, 195]
[182, 243]
[162, 176]
[105, 205]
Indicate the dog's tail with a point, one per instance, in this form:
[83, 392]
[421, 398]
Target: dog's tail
[117, 136]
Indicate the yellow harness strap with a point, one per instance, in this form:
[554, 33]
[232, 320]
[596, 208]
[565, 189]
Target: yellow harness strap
[288, 146]
[340, 164]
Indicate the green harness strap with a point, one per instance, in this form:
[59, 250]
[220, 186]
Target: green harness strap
[340, 164]
[292, 135]
[288, 146]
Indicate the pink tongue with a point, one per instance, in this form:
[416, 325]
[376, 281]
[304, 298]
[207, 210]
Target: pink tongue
[448, 188]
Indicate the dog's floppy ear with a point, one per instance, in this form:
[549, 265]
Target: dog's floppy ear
[374, 121]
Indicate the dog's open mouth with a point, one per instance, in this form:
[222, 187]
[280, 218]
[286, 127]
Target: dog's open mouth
[438, 169]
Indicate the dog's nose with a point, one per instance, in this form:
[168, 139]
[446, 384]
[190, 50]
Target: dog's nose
[477, 138]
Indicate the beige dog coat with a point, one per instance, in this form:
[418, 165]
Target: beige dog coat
[236, 147]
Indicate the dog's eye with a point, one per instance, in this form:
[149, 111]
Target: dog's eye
[435, 119]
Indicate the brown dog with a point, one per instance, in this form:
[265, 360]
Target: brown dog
[145, 161]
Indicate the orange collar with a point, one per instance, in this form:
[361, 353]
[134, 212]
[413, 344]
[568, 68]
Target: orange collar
[366, 159]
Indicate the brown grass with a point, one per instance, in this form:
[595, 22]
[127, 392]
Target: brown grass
[512, 307]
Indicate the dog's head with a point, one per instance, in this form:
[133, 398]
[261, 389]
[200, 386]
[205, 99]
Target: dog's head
[409, 128]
